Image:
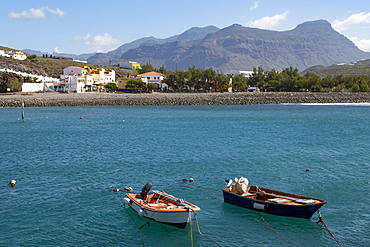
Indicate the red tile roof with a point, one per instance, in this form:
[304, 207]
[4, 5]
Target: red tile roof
[151, 73]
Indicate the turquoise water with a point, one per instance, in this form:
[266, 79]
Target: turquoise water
[66, 168]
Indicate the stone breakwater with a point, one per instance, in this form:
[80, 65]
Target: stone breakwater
[100, 99]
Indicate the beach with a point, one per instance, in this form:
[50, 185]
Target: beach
[240, 98]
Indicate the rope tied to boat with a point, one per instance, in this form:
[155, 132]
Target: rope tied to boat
[263, 219]
[138, 227]
[197, 224]
[321, 220]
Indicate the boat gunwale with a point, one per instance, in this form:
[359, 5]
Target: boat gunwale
[145, 205]
[284, 194]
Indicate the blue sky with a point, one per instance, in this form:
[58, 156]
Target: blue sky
[99, 26]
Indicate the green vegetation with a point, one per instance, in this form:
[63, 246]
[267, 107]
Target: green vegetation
[111, 87]
[135, 84]
[151, 86]
[14, 84]
[199, 79]
[288, 80]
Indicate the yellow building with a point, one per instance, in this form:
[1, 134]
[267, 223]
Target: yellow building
[129, 65]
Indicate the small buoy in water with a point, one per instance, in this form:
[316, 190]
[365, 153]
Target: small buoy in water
[185, 179]
[128, 188]
[81, 117]
[307, 170]
[115, 190]
[191, 179]
[12, 182]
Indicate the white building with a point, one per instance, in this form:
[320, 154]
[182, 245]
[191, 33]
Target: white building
[129, 65]
[15, 55]
[37, 87]
[81, 79]
[154, 77]
[19, 55]
[246, 73]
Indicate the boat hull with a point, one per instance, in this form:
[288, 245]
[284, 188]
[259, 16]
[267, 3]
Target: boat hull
[178, 219]
[291, 210]
[172, 215]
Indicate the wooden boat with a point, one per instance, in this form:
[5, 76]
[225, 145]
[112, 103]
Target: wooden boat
[274, 202]
[161, 207]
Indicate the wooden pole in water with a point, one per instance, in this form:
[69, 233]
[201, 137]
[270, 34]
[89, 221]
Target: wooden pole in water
[23, 111]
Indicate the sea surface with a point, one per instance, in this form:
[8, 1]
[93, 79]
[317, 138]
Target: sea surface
[67, 160]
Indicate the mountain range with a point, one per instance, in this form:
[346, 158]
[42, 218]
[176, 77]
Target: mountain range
[236, 48]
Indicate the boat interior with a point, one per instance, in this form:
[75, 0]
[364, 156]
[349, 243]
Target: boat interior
[254, 192]
[162, 200]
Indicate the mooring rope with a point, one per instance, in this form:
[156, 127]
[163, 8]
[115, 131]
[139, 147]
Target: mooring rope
[6, 203]
[321, 220]
[263, 219]
[200, 186]
[138, 227]
[196, 222]
[191, 229]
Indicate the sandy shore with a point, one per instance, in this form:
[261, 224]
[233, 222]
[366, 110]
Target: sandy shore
[96, 99]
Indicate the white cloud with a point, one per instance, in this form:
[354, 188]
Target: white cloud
[97, 42]
[56, 50]
[57, 11]
[28, 14]
[355, 19]
[254, 6]
[38, 13]
[362, 44]
[268, 22]
[82, 38]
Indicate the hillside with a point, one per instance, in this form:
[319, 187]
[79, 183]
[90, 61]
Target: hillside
[51, 66]
[44, 66]
[114, 56]
[241, 48]
[81, 57]
[236, 48]
[361, 67]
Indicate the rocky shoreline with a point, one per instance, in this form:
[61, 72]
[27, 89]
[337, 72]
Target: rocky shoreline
[104, 99]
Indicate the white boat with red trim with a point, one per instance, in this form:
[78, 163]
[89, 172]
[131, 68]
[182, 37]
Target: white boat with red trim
[161, 207]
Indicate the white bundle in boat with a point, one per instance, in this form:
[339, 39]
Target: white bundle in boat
[240, 186]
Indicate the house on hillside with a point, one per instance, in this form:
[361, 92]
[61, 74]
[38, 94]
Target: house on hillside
[129, 65]
[246, 73]
[155, 77]
[15, 55]
[19, 55]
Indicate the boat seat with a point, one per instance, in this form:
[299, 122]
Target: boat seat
[305, 201]
[278, 200]
[157, 205]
